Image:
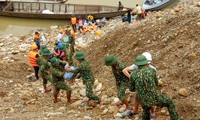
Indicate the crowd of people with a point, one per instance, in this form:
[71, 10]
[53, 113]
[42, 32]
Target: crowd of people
[58, 66]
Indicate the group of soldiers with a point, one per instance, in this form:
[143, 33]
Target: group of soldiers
[142, 80]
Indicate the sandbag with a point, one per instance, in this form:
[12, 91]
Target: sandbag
[68, 75]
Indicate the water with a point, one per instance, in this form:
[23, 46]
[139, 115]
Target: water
[19, 26]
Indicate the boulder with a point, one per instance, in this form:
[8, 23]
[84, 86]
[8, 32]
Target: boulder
[83, 92]
[113, 109]
[99, 87]
[105, 111]
[183, 92]
[77, 103]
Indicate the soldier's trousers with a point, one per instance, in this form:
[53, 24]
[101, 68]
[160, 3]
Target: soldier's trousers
[61, 85]
[46, 78]
[163, 102]
[89, 91]
[121, 87]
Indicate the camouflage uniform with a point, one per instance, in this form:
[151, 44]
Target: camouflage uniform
[44, 69]
[88, 79]
[145, 81]
[69, 56]
[121, 80]
[72, 43]
[58, 79]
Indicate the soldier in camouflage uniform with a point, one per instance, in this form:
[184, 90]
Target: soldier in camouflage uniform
[71, 39]
[44, 67]
[58, 71]
[121, 79]
[86, 73]
[145, 81]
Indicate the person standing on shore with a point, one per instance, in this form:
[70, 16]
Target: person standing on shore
[121, 79]
[120, 6]
[138, 12]
[145, 82]
[37, 39]
[129, 15]
[33, 55]
[60, 36]
[73, 22]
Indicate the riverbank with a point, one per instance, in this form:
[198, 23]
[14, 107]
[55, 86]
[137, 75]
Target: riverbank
[171, 36]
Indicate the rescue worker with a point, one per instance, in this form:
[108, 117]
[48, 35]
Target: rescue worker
[121, 79]
[58, 71]
[138, 12]
[71, 39]
[135, 67]
[37, 39]
[73, 22]
[145, 82]
[87, 76]
[44, 70]
[33, 55]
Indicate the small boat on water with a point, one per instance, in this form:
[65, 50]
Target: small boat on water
[61, 11]
[150, 5]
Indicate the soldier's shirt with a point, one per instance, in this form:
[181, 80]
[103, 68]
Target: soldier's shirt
[145, 82]
[44, 67]
[85, 71]
[119, 75]
[57, 72]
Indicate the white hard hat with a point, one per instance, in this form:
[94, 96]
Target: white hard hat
[148, 56]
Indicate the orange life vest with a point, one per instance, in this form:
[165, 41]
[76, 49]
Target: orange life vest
[73, 20]
[32, 58]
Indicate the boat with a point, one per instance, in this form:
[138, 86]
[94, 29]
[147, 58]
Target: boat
[59, 11]
[151, 5]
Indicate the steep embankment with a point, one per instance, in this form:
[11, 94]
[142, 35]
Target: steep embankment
[173, 38]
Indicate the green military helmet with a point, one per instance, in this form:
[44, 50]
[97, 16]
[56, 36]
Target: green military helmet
[79, 55]
[43, 47]
[62, 48]
[45, 52]
[54, 61]
[110, 60]
[141, 60]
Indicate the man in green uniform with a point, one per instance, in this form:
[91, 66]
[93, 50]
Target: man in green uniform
[121, 79]
[87, 76]
[44, 67]
[58, 71]
[145, 81]
[71, 39]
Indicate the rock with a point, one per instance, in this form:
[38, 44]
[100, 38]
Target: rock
[23, 50]
[85, 99]
[71, 112]
[192, 56]
[77, 103]
[1, 44]
[61, 109]
[113, 109]
[96, 82]
[2, 93]
[99, 87]
[54, 114]
[198, 4]
[29, 69]
[92, 103]
[183, 92]
[104, 97]
[105, 111]
[15, 52]
[116, 100]
[80, 85]
[83, 92]
[163, 111]
[122, 109]
[118, 115]
[87, 118]
[160, 83]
